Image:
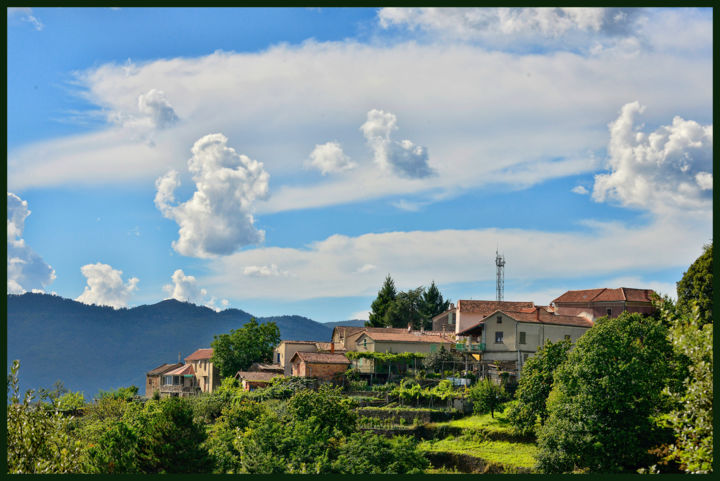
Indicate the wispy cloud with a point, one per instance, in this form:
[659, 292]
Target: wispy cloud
[26, 15]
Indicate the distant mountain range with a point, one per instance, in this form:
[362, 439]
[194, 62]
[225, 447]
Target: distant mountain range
[90, 348]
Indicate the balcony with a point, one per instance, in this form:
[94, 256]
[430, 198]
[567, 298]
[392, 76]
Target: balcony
[178, 388]
[470, 347]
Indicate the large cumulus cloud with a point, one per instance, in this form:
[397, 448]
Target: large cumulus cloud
[404, 157]
[329, 158]
[666, 170]
[26, 270]
[217, 219]
[185, 288]
[105, 286]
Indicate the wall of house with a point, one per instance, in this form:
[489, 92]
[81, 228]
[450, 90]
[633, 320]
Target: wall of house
[286, 350]
[395, 347]
[466, 319]
[207, 375]
[324, 371]
[152, 384]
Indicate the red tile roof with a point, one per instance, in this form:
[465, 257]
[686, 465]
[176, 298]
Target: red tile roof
[184, 370]
[539, 315]
[325, 346]
[486, 307]
[256, 376]
[321, 357]
[606, 295]
[412, 336]
[163, 369]
[200, 354]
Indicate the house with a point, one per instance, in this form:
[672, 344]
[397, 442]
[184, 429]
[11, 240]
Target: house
[507, 337]
[322, 365]
[595, 303]
[467, 313]
[284, 352]
[179, 382]
[208, 378]
[153, 378]
[346, 337]
[251, 380]
[392, 341]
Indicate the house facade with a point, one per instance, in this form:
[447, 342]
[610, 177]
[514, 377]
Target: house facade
[180, 382]
[284, 352]
[251, 380]
[208, 378]
[381, 340]
[509, 337]
[467, 313]
[322, 365]
[153, 378]
[595, 303]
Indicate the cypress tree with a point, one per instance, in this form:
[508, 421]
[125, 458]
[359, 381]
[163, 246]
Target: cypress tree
[386, 296]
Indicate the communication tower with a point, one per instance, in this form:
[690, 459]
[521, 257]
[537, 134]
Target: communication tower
[500, 285]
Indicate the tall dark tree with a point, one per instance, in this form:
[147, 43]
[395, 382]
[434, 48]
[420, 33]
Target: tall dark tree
[251, 343]
[405, 310]
[695, 287]
[432, 304]
[386, 296]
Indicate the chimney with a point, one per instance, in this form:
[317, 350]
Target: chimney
[178, 357]
[332, 347]
[537, 313]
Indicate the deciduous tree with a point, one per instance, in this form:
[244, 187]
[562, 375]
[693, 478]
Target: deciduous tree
[695, 287]
[236, 351]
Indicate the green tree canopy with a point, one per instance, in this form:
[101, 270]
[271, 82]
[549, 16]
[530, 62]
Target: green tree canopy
[432, 304]
[236, 351]
[529, 407]
[487, 396]
[386, 296]
[405, 310]
[601, 407]
[696, 286]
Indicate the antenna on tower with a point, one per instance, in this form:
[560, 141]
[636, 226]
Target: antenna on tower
[500, 284]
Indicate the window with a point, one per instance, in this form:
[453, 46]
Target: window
[451, 318]
[522, 338]
[609, 312]
[365, 343]
[498, 337]
[499, 319]
[278, 358]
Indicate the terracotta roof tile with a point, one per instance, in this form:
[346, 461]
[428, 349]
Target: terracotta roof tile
[163, 369]
[487, 307]
[413, 336]
[200, 354]
[606, 295]
[325, 346]
[256, 375]
[321, 357]
[184, 370]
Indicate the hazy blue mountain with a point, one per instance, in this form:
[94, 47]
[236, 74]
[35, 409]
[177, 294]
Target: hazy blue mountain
[91, 347]
[351, 322]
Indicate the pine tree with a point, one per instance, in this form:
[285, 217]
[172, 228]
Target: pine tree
[386, 296]
[432, 304]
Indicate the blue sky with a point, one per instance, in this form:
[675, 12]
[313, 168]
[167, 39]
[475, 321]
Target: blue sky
[285, 160]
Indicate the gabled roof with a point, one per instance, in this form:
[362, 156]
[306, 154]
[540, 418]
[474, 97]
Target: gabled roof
[537, 315]
[184, 370]
[321, 357]
[263, 367]
[487, 307]
[606, 295]
[256, 375]
[200, 354]
[326, 346]
[164, 368]
[412, 336]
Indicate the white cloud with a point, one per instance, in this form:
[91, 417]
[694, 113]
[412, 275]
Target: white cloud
[26, 15]
[361, 315]
[26, 270]
[156, 107]
[668, 169]
[486, 116]
[366, 268]
[403, 158]
[271, 270]
[329, 158]
[186, 289]
[105, 286]
[329, 268]
[561, 28]
[579, 189]
[218, 218]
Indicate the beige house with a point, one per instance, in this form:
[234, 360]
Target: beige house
[467, 313]
[347, 337]
[510, 336]
[179, 382]
[392, 341]
[208, 378]
[284, 352]
[154, 378]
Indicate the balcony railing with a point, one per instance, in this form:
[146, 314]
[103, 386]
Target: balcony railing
[178, 388]
[471, 347]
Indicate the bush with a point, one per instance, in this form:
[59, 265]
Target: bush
[487, 396]
[367, 453]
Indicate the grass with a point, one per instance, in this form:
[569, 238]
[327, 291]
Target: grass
[482, 422]
[520, 455]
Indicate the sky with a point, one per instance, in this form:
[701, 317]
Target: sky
[286, 160]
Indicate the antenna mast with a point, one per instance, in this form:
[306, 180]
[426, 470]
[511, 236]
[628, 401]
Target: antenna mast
[500, 284]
